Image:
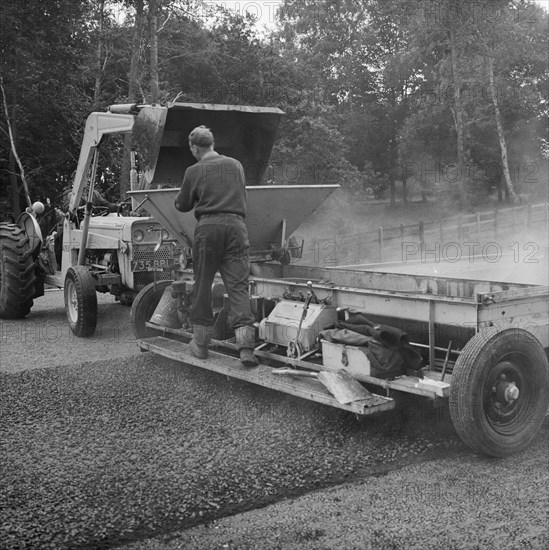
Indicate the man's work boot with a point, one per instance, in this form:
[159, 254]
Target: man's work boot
[201, 339]
[245, 341]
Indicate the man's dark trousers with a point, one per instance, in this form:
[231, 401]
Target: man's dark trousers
[221, 244]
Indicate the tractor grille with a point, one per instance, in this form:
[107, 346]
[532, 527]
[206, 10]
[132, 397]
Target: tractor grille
[142, 255]
[146, 252]
[143, 278]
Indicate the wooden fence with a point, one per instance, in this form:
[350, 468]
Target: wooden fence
[389, 244]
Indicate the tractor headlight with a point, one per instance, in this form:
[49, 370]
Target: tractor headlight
[138, 235]
[165, 235]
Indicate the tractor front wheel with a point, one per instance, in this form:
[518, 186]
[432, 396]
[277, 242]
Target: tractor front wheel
[80, 301]
[499, 392]
[17, 272]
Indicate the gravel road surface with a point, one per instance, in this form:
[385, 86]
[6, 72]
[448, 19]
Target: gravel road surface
[104, 447]
[454, 502]
[44, 338]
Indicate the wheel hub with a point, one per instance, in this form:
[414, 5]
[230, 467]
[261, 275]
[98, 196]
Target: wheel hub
[502, 402]
[72, 301]
[506, 391]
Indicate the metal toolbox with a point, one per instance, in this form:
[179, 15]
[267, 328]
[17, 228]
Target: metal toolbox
[341, 356]
[281, 326]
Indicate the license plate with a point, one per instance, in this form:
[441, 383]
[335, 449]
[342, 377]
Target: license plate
[152, 265]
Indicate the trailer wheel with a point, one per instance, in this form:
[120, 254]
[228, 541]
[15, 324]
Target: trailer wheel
[80, 301]
[143, 308]
[17, 272]
[499, 392]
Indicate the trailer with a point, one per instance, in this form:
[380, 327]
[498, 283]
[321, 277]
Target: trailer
[479, 346]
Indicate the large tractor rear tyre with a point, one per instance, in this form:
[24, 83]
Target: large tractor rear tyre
[499, 392]
[17, 272]
[143, 308]
[80, 301]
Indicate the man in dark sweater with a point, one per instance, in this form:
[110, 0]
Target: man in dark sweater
[216, 188]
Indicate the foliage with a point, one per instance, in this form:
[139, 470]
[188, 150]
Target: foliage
[374, 91]
[510, 33]
[46, 87]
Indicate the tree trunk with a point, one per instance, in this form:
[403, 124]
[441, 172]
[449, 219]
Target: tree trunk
[14, 184]
[458, 114]
[393, 146]
[15, 188]
[392, 191]
[14, 157]
[99, 59]
[133, 89]
[153, 16]
[393, 143]
[136, 52]
[501, 136]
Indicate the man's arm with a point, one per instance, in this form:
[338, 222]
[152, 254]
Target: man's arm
[100, 200]
[185, 200]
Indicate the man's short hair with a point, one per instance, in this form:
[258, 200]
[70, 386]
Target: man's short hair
[201, 136]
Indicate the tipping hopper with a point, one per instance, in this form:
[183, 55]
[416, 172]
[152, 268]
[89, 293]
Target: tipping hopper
[160, 138]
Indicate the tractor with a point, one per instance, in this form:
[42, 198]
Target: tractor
[121, 253]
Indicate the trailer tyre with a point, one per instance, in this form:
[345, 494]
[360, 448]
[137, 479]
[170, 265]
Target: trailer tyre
[499, 392]
[143, 308]
[17, 272]
[80, 301]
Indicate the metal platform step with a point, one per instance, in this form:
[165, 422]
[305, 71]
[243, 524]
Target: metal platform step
[306, 388]
[430, 386]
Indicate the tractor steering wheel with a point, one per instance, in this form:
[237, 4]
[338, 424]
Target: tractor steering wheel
[96, 211]
[100, 211]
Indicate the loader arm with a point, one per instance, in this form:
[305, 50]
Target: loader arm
[97, 126]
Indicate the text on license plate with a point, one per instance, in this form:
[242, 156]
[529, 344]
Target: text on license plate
[152, 265]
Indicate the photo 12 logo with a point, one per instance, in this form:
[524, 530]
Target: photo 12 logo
[525, 173]
[263, 11]
[453, 252]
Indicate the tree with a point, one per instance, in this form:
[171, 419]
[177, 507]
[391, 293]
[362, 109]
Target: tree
[100, 61]
[133, 89]
[153, 63]
[386, 40]
[509, 50]
[42, 47]
[356, 49]
[441, 36]
[468, 54]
